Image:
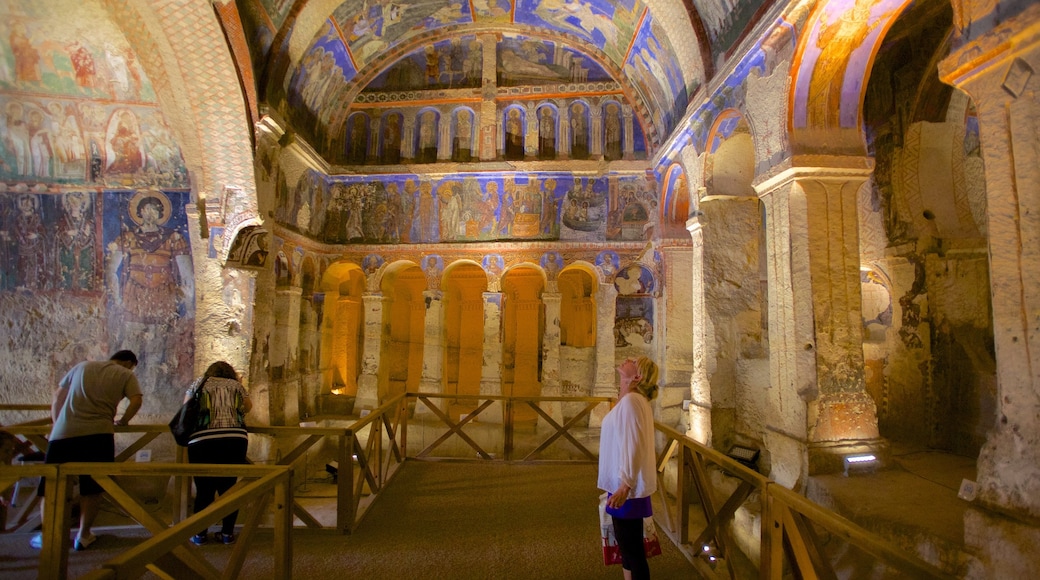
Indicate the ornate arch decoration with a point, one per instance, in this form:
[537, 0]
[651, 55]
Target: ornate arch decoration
[832, 63]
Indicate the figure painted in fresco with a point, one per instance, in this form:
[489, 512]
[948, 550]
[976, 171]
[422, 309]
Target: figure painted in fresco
[16, 138]
[837, 41]
[83, 64]
[358, 139]
[427, 138]
[335, 215]
[509, 201]
[354, 207]
[149, 270]
[549, 205]
[579, 133]
[124, 145]
[514, 135]
[31, 244]
[612, 133]
[451, 211]
[407, 209]
[40, 143]
[76, 242]
[427, 213]
[67, 141]
[432, 269]
[391, 153]
[546, 134]
[462, 144]
[26, 57]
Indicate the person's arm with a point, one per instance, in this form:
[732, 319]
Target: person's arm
[57, 402]
[131, 409]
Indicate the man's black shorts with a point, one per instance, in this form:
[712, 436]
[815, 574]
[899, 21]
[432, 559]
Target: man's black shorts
[99, 448]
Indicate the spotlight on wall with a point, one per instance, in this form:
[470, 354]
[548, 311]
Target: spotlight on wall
[865, 463]
[746, 456]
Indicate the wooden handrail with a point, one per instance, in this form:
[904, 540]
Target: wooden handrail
[787, 517]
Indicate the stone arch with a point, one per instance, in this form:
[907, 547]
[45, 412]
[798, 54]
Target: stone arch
[402, 285]
[729, 163]
[548, 120]
[675, 202]
[342, 335]
[463, 129]
[578, 285]
[836, 53]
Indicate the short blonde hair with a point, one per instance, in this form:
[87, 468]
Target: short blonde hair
[647, 384]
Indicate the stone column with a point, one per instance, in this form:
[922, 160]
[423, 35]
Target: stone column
[606, 385]
[998, 69]
[531, 131]
[815, 320]
[700, 388]
[284, 397]
[433, 348]
[551, 354]
[444, 137]
[488, 108]
[368, 380]
[491, 369]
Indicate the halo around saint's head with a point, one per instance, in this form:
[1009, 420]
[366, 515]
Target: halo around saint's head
[135, 205]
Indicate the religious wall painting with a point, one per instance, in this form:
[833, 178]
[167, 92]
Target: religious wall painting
[632, 209]
[68, 50]
[370, 28]
[371, 264]
[260, 23]
[836, 53]
[607, 25]
[250, 249]
[552, 263]
[612, 131]
[524, 61]
[275, 10]
[634, 321]
[493, 264]
[513, 130]
[449, 64]
[675, 205]
[580, 130]
[391, 125]
[725, 21]
[319, 80]
[426, 135]
[357, 138]
[150, 280]
[608, 263]
[462, 131]
[547, 132]
[492, 11]
[433, 269]
[634, 279]
[584, 207]
[655, 73]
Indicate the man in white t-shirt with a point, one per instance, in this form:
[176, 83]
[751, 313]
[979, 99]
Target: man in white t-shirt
[83, 411]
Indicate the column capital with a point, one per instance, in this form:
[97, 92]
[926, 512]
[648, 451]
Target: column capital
[818, 168]
[992, 51]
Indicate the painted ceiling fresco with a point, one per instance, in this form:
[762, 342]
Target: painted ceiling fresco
[75, 105]
[379, 43]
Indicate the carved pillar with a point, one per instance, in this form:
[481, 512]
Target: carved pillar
[433, 348]
[815, 320]
[368, 380]
[998, 69]
[491, 369]
[700, 387]
[606, 385]
[551, 354]
[284, 398]
[629, 131]
[488, 107]
[444, 137]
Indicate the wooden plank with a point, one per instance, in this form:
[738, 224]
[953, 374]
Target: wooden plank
[795, 522]
[54, 556]
[136, 446]
[456, 429]
[282, 528]
[800, 559]
[250, 524]
[141, 515]
[560, 431]
[771, 566]
[300, 450]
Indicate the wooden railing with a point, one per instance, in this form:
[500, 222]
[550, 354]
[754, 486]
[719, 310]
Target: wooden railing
[484, 410]
[789, 539]
[166, 553]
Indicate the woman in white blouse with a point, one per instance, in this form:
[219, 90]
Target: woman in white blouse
[627, 470]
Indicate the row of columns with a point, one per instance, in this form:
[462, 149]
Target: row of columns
[490, 373]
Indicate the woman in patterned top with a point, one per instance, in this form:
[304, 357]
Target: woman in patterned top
[224, 440]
